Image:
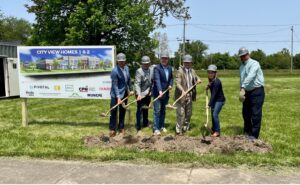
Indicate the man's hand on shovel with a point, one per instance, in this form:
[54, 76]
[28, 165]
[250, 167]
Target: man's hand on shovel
[242, 95]
[182, 95]
[131, 93]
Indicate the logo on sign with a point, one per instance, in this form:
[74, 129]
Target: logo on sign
[84, 89]
[57, 87]
[30, 93]
[104, 88]
[94, 95]
[69, 88]
[39, 87]
[75, 95]
[92, 89]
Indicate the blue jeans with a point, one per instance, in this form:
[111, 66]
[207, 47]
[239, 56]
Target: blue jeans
[140, 111]
[159, 113]
[215, 110]
[252, 111]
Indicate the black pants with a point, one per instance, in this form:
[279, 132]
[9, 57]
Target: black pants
[252, 111]
[140, 111]
[113, 114]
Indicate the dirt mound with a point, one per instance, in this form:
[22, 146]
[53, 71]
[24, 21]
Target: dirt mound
[224, 144]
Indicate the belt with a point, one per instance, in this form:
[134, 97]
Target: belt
[255, 89]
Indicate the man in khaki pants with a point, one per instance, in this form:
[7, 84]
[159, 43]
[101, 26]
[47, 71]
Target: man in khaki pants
[186, 77]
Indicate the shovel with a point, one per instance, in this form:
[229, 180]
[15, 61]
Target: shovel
[115, 106]
[173, 105]
[205, 130]
[150, 105]
[126, 106]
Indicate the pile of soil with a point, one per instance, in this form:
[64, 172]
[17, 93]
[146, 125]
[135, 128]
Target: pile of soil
[224, 144]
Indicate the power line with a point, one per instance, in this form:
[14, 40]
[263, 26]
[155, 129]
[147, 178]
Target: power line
[296, 36]
[237, 25]
[237, 41]
[246, 25]
[241, 34]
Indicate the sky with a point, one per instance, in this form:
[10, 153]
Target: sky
[224, 25]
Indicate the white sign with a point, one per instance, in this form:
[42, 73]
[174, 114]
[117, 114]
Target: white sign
[79, 72]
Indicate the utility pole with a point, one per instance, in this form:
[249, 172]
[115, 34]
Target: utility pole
[292, 44]
[183, 37]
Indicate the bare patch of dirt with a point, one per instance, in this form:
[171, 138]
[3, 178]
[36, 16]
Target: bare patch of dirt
[224, 144]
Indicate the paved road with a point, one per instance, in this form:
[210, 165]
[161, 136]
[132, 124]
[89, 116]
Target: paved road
[28, 171]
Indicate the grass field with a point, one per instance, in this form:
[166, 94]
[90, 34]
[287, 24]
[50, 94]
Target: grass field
[57, 125]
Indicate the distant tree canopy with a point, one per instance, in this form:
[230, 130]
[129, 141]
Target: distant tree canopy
[13, 29]
[279, 60]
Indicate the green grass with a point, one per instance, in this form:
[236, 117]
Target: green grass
[56, 127]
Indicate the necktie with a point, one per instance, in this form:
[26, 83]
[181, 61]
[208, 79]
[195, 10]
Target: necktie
[189, 79]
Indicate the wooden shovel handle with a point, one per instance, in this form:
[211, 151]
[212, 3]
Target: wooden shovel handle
[207, 109]
[117, 105]
[184, 94]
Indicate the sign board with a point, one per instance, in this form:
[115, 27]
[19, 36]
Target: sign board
[78, 72]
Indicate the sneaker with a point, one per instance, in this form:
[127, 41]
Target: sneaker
[163, 130]
[156, 133]
[184, 129]
[251, 138]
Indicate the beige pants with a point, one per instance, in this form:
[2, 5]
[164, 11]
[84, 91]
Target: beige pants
[184, 114]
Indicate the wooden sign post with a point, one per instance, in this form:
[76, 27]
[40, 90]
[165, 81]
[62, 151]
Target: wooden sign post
[24, 112]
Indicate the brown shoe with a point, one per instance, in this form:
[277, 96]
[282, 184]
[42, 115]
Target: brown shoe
[122, 131]
[215, 134]
[112, 133]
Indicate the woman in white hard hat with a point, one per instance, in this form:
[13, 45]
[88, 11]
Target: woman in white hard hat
[217, 98]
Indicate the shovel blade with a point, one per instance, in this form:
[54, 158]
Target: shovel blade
[171, 107]
[103, 114]
[205, 131]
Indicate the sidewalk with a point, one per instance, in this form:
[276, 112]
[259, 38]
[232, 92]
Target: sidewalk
[66, 172]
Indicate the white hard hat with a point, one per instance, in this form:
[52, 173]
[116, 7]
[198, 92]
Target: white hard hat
[187, 58]
[145, 60]
[243, 51]
[212, 67]
[121, 57]
[164, 54]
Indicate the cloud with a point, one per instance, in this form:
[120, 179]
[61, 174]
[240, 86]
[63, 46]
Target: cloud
[25, 51]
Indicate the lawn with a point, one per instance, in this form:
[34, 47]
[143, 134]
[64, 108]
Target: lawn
[56, 127]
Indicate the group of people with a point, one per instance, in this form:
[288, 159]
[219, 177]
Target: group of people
[155, 81]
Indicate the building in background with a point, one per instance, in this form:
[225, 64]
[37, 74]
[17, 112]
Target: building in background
[9, 79]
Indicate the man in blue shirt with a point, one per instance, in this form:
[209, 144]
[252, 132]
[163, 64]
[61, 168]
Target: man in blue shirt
[251, 93]
[163, 80]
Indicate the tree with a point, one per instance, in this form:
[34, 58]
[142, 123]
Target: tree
[196, 49]
[162, 8]
[161, 42]
[279, 60]
[260, 56]
[296, 62]
[13, 29]
[224, 61]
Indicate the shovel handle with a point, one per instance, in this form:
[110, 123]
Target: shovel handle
[184, 94]
[160, 96]
[207, 109]
[133, 102]
[117, 105]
